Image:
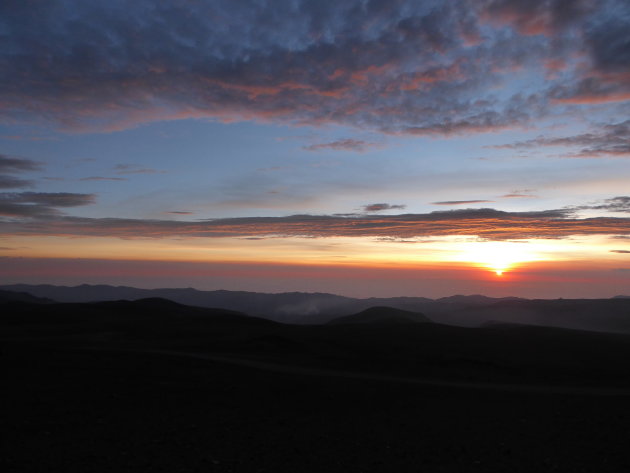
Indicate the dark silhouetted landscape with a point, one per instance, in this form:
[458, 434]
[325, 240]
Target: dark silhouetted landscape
[156, 385]
[416, 211]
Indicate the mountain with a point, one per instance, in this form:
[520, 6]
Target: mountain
[382, 315]
[137, 385]
[604, 315]
[380, 339]
[151, 320]
[13, 296]
[293, 307]
[475, 299]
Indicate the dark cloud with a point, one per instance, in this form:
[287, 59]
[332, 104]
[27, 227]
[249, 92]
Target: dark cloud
[616, 204]
[11, 164]
[9, 182]
[605, 78]
[608, 140]
[347, 144]
[461, 202]
[620, 251]
[430, 67]
[381, 207]
[40, 204]
[179, 212]
[609, 41]
[533, 17]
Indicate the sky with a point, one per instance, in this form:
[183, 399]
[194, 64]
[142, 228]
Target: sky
[365, 147]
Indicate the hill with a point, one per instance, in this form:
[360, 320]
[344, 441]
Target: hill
[13, 296]
[605, 315]
[382, 315]
[154, 384]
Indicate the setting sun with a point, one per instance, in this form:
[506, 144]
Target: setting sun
[499, 257]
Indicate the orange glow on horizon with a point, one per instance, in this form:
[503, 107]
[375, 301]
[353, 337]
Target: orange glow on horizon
[499, 257]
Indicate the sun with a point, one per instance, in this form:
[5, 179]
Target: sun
[498, 257]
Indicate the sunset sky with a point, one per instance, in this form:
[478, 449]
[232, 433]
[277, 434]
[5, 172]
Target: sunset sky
[364, 148]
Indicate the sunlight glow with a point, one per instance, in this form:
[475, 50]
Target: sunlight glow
[499, 257]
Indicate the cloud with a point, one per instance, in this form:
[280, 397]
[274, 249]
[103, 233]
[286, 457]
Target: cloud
[488, 224]
[609, 140]
[533, 17]
[26, 138]
[620, 251]
[40, 204]
[100, 178]
[461, 202]
[519, 194]
[12, 164]
[430, 67]
[123, 169]
[615, 204]
[381, 207]
[179, 212]
[347, 144]
[9, 182]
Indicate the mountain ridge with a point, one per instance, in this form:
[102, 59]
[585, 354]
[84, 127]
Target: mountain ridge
[606, 315]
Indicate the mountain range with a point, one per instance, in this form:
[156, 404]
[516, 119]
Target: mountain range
[605, 315]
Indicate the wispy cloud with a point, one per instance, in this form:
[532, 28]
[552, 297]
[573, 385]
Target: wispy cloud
[9, 182]
[608, 140]
[615, 204]
[123, 169]
[520, 194]
[40, 204]
[382, 206]
[101, 178]
[482, 223]
[461, 202]
[13, 165]
[348, 144]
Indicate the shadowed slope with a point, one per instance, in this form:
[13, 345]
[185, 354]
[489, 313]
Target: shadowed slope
[383, 315]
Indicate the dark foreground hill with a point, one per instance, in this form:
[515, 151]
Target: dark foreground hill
[15, 296]
[377, 339]
[153, 385]
[605, 315]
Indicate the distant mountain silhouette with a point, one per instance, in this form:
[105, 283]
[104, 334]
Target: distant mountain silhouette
[605, 315]
[476, 299]
[382, 315]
